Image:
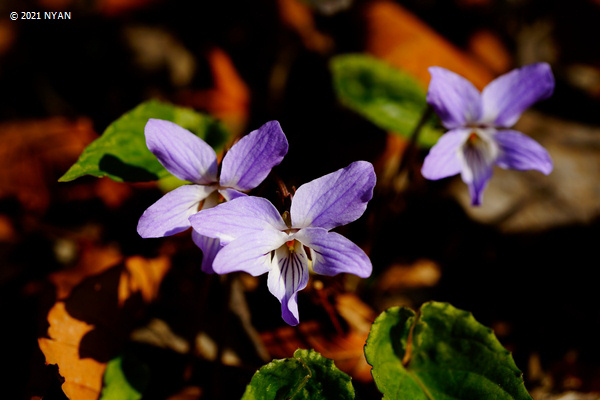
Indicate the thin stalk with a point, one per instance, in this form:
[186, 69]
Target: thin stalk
[409, 153]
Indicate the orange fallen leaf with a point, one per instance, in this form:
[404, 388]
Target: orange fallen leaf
[112, 193]
[423, 273]
[388, 162]
[400, 38]
[357, 314]
[490, 50]
[93, 260]
[7, 230]
[33, 154]
[298, 16]
[87, 328]
[144, 276]
[229, 99]
[346, 350]
[83, 377]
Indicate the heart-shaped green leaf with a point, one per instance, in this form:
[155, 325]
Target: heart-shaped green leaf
[388, 97]
[441, 353]
[308, 375]
[121, 152]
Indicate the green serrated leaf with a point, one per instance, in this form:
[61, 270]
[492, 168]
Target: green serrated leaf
[442, 353]
[388, 97]
[308, 375]
[125, 378]
[121, 152]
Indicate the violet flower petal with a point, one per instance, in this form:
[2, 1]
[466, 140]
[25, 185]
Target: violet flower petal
[239, 217]
[170, 214]
[332, 253]
[250, 253]
[456, 101]
[181, 152]
[334, 199]
[230, 194]
[443, 159]
[250, 160]
[210, 247]
[506, 97]
[287, 276]
[520, 152]
[477, 169]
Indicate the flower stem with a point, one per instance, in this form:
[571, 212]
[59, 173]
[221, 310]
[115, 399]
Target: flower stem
[409, 152]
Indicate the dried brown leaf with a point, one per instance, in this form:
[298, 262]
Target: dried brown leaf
[33, 154]
[87, 328]
[299, 17]
[83, 377]
[399, 37]
[93, 260]
[229, 99]
[422, 273]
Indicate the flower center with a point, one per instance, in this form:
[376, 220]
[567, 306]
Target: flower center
[211, 201]
[473, 139]
[291, 244]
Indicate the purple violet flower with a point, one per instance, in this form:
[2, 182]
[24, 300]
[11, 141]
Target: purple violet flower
[257, 239]
[188, 157]
[478, 136]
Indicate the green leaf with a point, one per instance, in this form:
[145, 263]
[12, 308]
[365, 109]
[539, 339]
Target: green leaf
[442, 353]
[308, 375]
[386, 96]
[125, 378]
[121, 152]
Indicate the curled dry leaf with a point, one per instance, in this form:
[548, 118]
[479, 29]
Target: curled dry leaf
[356, 313]
[142, 275]
[229, 99]
[299, 17]
[490, 50]
[83, 377]
[402, 39]
[422, 273]
[112, 193]
[87, 328]
[345, 348]
[34, 153]
[93, 260]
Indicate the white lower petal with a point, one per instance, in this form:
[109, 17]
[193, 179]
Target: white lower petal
[478, 155]
[287, 276]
